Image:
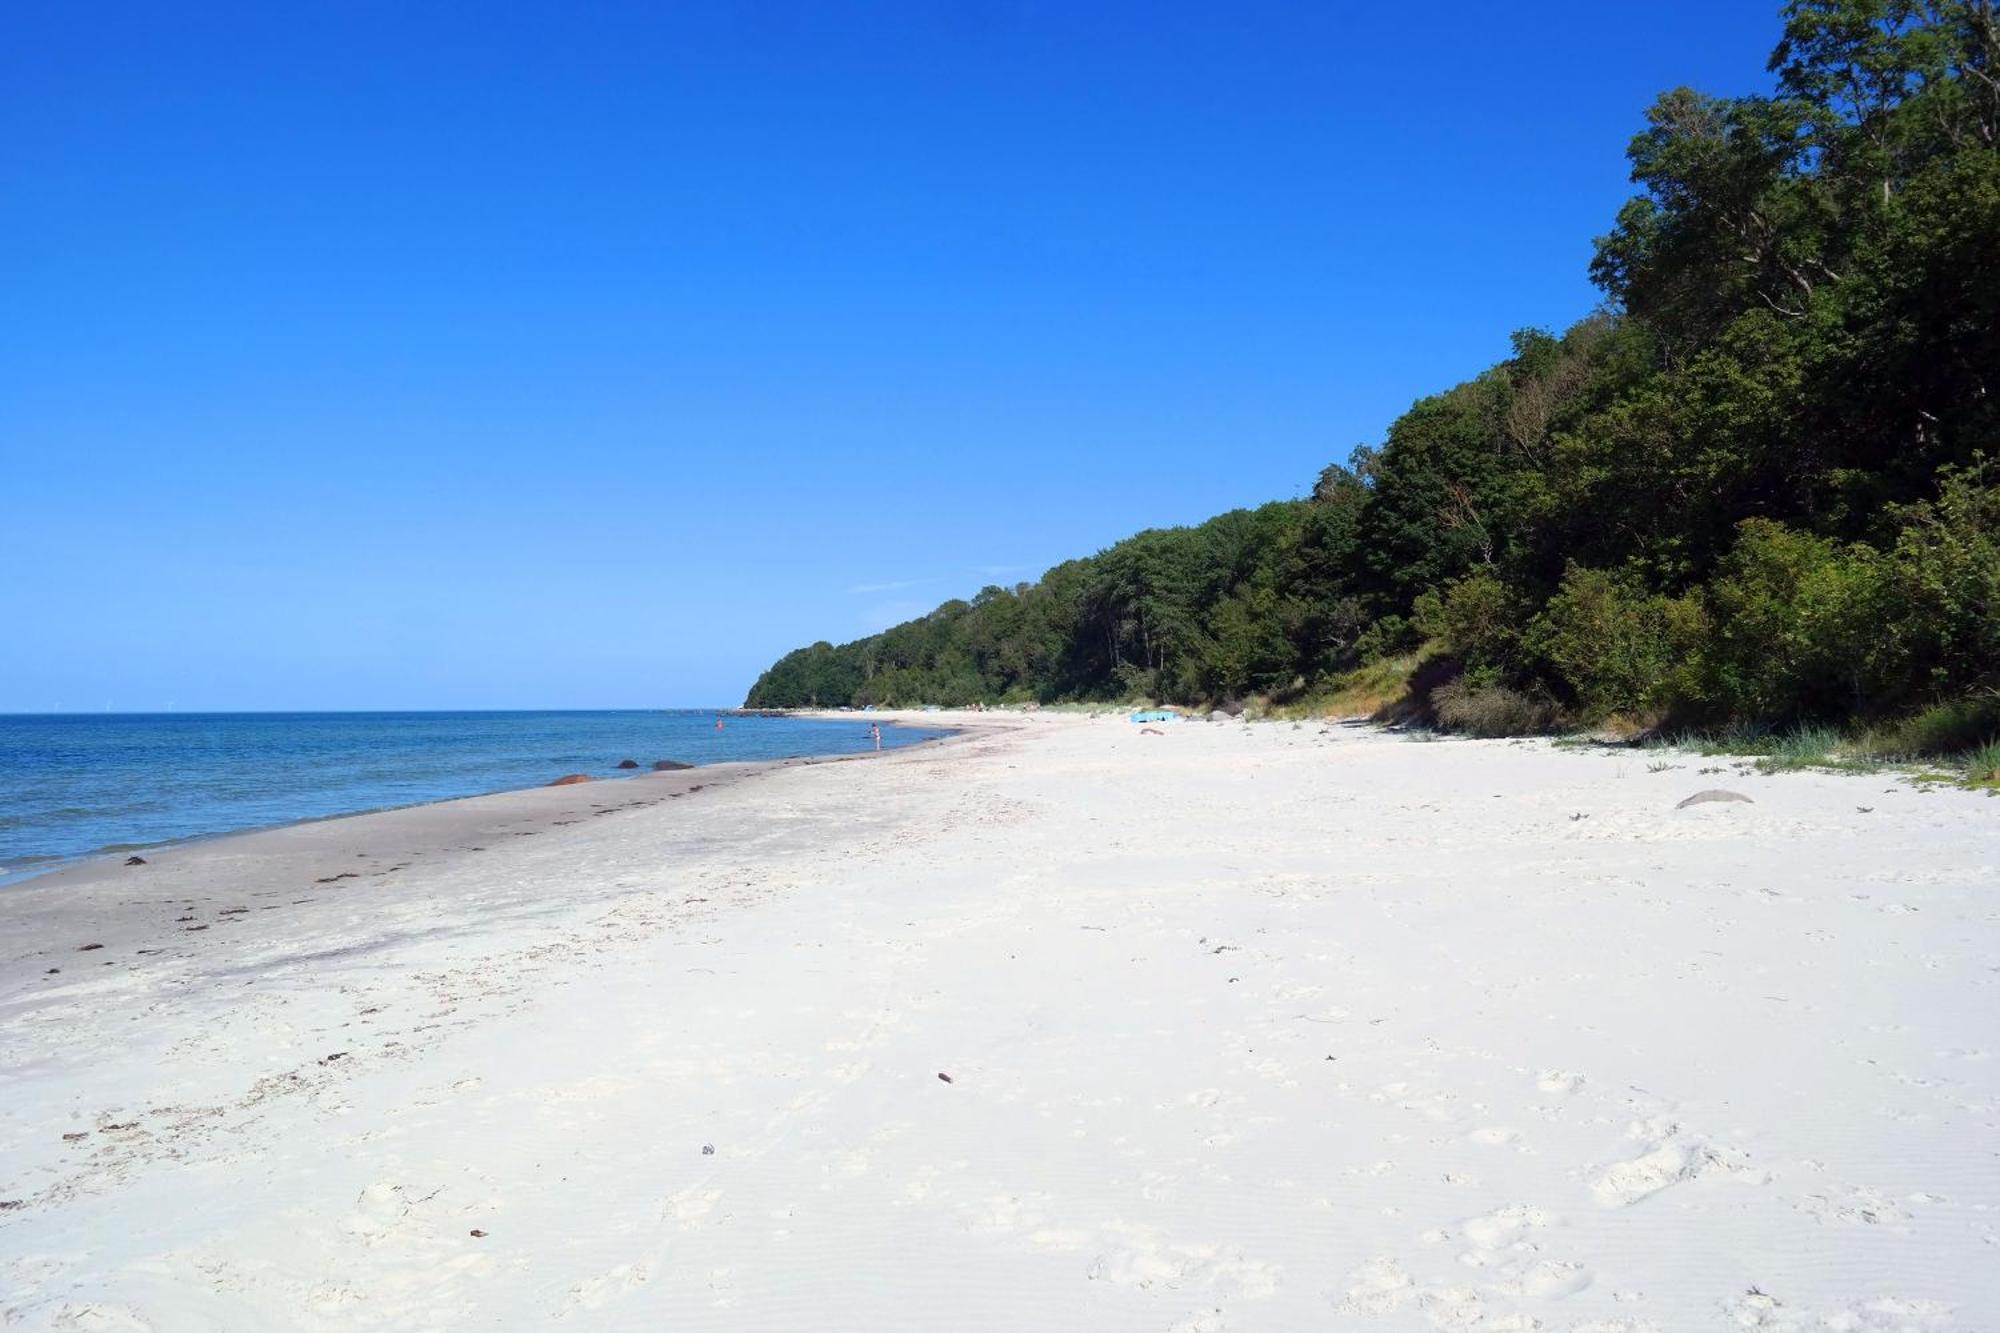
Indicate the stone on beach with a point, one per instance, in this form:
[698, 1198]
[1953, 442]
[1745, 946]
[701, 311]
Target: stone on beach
[1714, 794]
[571, 779]
[669, 766]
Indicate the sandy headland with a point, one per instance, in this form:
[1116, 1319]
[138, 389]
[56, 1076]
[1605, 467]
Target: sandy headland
[1059, 1025]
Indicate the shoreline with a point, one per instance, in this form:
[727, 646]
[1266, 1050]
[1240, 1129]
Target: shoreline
[1056, 1023]
[105, 856]
[96, 900]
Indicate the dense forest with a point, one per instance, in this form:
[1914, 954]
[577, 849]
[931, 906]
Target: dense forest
[1756, 487]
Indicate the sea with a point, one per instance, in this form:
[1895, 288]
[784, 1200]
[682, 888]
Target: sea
[78, 785]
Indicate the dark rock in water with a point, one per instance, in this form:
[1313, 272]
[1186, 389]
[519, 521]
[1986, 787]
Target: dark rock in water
[1714, 794]
[669, 766]
[628, 763]
[570, 779]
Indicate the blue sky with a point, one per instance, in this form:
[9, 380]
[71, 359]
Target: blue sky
[372, 355]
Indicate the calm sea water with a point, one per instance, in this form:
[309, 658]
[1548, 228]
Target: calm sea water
[73, 785]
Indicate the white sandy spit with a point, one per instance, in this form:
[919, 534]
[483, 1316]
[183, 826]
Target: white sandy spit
[1245, 1028]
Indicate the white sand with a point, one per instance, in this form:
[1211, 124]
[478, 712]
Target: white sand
[1247, 1028]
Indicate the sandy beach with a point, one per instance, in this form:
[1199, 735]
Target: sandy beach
[1057, 1026]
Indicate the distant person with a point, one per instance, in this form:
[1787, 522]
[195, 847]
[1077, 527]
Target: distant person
[875, 733]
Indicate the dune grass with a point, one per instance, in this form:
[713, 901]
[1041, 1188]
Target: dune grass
[1957, 742]
[1982, 766]
[1809, 747]
[1366, 691]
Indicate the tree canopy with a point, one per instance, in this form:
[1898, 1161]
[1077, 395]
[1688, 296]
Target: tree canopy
[1754, 486]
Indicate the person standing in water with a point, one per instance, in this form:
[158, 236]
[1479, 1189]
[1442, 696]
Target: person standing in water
[875, 733]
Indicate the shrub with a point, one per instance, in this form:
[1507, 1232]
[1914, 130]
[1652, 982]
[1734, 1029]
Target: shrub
[1478, 619]
[1795, 628]
[1490, 709]
[1953, 727]
[1388, 636]
[1613, 645]
[1132, 682]
[1944, 579]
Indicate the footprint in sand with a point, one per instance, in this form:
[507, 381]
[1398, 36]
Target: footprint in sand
[96, 1318]
[1379, 1286]
[1547, 1279]
[1454, 1308]
[1669, 1163]
[1436, 1107]
[1144, 1258]
[1202, 1321]
[331, 1298]
[378, 1212]
[1002, 1213]
[1760, 1310]
[1859, 1207]
[1559, 1082]
[1625, 1183]
[1505, 1241]
[689, 1206]
[849, 1164]
[594, 1293]
[1462, 1308]
[1506, 1227]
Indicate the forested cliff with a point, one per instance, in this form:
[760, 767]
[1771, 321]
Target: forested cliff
[1756, 486]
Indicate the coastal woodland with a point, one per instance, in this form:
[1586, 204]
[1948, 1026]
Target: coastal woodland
[1759, 487]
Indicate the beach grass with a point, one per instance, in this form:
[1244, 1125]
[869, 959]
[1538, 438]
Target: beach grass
[1982, 766]
[1943, 744]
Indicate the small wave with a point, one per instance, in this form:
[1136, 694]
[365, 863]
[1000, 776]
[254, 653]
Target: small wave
[55, 812]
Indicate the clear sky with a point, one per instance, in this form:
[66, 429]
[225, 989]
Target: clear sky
[580, 354]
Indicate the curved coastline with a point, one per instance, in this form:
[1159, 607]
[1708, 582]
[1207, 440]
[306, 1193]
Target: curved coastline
[453, 816]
